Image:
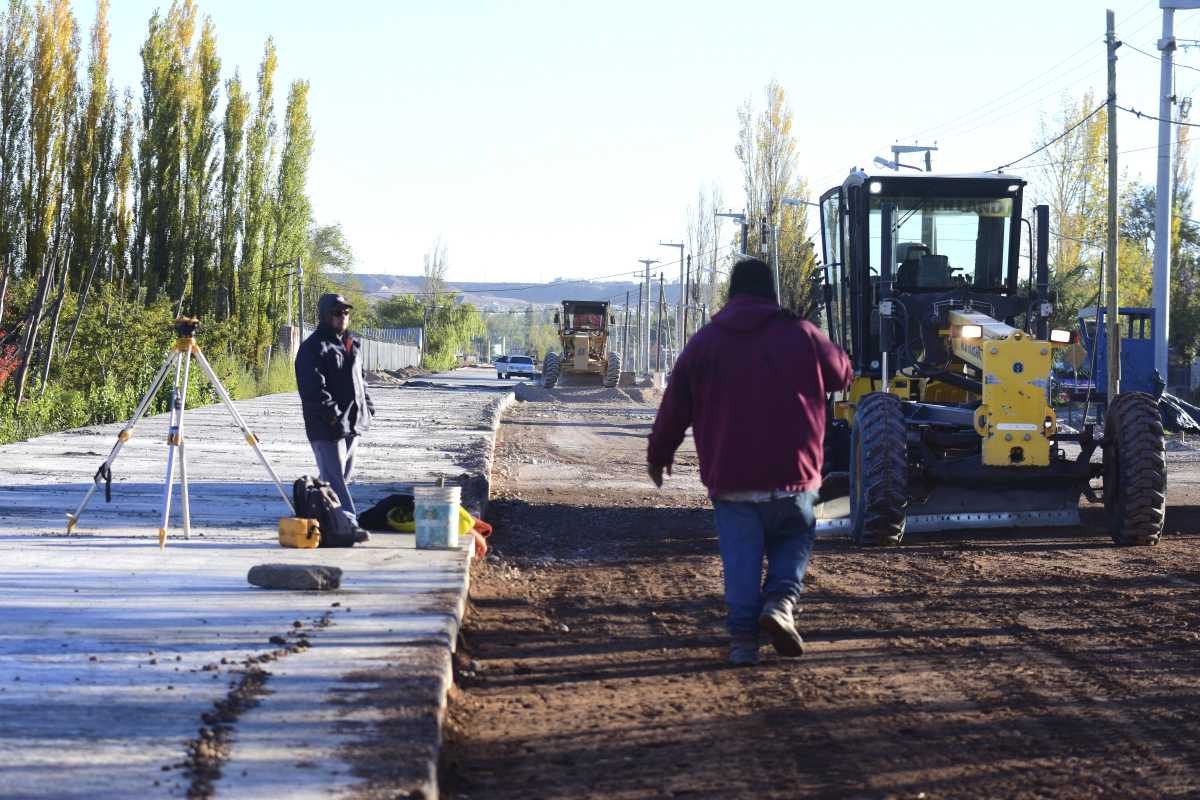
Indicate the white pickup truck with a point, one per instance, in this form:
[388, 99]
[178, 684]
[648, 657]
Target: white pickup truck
[515, 367]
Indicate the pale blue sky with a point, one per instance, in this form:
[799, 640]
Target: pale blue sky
[546, 139]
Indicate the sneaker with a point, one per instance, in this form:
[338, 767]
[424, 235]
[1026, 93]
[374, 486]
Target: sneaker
[743, 651]
[776, 621]
[361, 536]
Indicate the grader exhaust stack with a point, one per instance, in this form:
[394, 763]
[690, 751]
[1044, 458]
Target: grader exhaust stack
[948, 423]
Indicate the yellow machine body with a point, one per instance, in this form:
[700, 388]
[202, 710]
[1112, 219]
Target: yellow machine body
[299, 532]
[581, 346]
[1014, 419]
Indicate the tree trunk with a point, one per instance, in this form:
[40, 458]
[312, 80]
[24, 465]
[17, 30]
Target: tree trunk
[83, 297]
[33, 322]
[63, 277]
[4, 287]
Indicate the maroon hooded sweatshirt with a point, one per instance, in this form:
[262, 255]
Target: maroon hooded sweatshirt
[752, 386]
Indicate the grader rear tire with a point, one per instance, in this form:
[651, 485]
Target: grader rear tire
[612, 372]
[550, 370]
[878, 471]
[1135, 470]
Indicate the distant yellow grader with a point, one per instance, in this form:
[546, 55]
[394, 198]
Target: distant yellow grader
[583, 331]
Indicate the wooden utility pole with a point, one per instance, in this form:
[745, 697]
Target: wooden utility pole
[638, 353]
[1113, 324]
[683, 336]
[662, 306]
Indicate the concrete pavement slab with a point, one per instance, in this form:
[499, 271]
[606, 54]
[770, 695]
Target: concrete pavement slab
[118, 659]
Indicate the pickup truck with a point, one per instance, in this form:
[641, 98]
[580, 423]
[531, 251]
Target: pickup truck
[515, 366]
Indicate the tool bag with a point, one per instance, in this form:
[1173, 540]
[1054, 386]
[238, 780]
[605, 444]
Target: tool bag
[315, 499]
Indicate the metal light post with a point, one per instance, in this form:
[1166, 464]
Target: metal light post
[741, 220]
[1161, 283]
[679, 307]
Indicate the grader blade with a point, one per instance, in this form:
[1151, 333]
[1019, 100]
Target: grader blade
[951, 508]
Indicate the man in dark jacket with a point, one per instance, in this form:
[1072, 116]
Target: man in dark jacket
[752, 386]
[337, 407]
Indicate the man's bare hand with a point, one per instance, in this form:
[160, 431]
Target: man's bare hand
[656, 474]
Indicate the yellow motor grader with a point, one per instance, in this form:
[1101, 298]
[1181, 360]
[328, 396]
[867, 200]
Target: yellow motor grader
[583, 327]
[948, 423]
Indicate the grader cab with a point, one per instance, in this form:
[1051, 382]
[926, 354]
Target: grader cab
[583, 331]
[948, 423]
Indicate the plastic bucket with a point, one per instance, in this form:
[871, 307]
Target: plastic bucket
[436, 510]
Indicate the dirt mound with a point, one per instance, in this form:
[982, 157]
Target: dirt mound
[570, 395]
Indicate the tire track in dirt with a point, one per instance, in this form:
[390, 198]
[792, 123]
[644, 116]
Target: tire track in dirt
[997, 664]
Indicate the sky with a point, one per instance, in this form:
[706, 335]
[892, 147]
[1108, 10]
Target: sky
[540, 140]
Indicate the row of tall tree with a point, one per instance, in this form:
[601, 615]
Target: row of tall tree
[192, 194]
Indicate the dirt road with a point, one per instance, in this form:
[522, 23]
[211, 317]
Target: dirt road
[998, 664]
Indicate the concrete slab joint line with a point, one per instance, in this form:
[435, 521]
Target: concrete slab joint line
[111, 671]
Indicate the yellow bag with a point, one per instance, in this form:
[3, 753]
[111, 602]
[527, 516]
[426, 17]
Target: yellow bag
[398, 523]
[299, 532]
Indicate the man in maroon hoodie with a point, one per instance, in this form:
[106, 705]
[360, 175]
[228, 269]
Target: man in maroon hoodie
[752, 387]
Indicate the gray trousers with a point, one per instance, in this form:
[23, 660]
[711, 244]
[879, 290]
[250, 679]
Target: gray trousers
[335, 461]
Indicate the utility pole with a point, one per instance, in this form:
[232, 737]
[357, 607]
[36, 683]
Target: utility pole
[679, 305]
[683, 336]
[625, 336]
[637, 358]
[644, 331]
[1114, 332]
[662, 306]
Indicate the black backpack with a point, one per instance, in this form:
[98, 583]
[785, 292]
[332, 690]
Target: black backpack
[315, 499]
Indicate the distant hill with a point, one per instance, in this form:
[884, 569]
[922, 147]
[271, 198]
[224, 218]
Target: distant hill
[509, 295]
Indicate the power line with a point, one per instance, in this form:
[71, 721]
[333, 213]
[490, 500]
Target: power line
[1052, 142]
[1157, 58]
[1142, 115]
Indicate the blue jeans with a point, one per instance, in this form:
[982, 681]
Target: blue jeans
[335, 462]
[784, 531]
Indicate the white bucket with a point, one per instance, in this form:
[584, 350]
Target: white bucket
[435, 510]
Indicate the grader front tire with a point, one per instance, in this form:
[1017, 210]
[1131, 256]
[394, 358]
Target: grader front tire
[878, 471]
[550, 370]
[612, 372]
[1135, 470]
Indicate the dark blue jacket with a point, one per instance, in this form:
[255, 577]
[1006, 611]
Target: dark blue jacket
[332, 389]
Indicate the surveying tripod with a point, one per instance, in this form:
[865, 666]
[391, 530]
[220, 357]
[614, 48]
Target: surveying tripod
[180, 356]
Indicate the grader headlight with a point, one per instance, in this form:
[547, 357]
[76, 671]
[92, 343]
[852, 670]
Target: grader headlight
[1059, 336]
[970, 332]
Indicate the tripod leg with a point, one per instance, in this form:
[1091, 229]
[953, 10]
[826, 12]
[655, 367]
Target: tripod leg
[251, 439]
[122, 437]
[172, 441]
[183, 478]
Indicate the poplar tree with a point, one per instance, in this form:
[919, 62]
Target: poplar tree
[122, 204]
[51, 100]
[200, 214]
[86, 172]
[292, 210]
[16, 32]
[237, 108]
[256, 199]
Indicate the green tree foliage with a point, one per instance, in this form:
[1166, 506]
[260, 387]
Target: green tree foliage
[449, 324]
[116, 216]
[256, 199]
[233, 129]
[768, 152]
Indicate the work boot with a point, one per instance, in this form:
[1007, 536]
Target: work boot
[743, 651]
[361, 536]
[776, 621]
